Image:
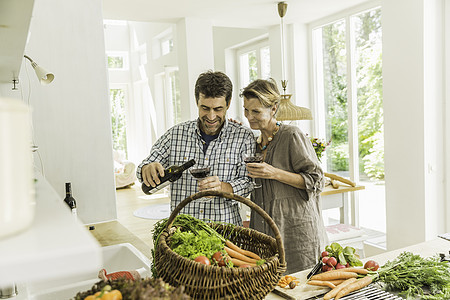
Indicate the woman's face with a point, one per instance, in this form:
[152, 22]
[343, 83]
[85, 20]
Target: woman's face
[258, 115]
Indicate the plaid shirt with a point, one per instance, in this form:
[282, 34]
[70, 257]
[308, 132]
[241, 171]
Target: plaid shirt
[224, 155]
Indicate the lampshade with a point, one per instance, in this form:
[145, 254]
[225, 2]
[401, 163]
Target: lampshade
[290, 112]
[287, 110]
[45, 77]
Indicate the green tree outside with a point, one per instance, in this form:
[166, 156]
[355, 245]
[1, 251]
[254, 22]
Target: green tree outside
[369, 94]
[118, 120]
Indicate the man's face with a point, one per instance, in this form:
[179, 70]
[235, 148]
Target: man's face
[212, 113]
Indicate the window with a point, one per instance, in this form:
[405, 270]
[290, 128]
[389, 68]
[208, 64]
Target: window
[174, 94]
[118, 60]
[163, 43]
[253, 63]
[348, 90]
[167, 87]
[166, 45]
[118, 119]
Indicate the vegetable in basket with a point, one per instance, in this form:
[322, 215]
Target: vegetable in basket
[194, 237]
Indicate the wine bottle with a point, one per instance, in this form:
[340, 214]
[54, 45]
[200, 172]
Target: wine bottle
[70, 201]
[171, 174]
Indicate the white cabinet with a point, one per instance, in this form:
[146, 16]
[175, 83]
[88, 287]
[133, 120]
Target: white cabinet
[56, 244]
[15, 17]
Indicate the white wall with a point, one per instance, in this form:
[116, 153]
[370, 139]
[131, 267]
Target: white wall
[447, 112]
[413, 107]
[195, 55]
[226, 41]
[71, 117]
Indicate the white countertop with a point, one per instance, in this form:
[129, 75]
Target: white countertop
[54, 246]
[425, 249]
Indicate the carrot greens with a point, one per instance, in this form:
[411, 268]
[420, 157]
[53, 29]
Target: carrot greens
[413, 276]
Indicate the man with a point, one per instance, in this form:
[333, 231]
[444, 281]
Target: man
[211, 140]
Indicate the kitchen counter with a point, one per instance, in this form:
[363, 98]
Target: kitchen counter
[425, 249]
[114, 233]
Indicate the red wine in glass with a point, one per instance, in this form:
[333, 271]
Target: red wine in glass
[253, 158]
[200, 173]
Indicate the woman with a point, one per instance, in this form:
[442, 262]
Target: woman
[291, 178]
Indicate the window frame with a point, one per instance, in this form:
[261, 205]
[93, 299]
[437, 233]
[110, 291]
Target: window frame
[126, 90]
[317, 88]
[125, 57]
[249, 47]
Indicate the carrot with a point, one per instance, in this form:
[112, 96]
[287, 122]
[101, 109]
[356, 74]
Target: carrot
[239, 256]
[337, 281]
[238, 262]
[334, 275]
[321, 283]
[242, 251]
[358, 284]
[351, 269]
[333, 292]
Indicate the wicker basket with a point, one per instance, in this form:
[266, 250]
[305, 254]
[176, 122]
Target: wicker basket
[212, 282]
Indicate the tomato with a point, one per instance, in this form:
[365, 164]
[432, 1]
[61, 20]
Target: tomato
[332, 261]
[203, 260]
[371, 265]
[220, 258]
[325, 253]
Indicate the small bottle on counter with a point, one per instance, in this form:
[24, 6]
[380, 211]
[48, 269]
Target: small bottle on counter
[70, 201]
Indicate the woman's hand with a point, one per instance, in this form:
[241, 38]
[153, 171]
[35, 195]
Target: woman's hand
[235, 121]
[261, 170]
[266, 171]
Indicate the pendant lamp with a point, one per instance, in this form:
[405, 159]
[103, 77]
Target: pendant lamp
[287, 111]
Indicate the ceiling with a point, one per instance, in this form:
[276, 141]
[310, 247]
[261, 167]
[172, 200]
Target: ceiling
[224, 13]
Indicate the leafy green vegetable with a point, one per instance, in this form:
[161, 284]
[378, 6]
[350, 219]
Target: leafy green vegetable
[187, 223]
[413, 276]
[190, 245]
[344, 255]
[260, 262]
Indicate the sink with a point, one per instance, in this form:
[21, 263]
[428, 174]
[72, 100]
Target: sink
[121, 257]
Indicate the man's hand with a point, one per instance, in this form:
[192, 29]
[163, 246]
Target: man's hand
[151, 174]
[212, 183]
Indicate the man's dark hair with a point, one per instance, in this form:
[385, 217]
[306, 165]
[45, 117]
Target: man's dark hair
[213, 85]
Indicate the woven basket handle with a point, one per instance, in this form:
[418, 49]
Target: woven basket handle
[238, 198]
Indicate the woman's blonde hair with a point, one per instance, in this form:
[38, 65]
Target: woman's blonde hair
[266, 91]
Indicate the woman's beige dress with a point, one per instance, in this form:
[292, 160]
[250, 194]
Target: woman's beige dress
[295, 211]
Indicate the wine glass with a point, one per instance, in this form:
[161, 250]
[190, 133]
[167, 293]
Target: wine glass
[253, 158]
[200, 173]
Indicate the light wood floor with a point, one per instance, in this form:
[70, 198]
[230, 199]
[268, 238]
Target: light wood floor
[127, 202]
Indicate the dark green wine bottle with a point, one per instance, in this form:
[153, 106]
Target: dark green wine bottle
[171, 174]
[70, 201]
